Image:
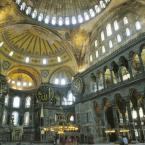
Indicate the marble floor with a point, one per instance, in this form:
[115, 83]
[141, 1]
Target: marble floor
[27, 143]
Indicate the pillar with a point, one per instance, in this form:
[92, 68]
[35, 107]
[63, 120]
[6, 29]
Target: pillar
[120, 73]
[130, 68]
[141, 62]
[130, 122]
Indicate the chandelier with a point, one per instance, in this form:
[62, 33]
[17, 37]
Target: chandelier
[61, 128]
[60, 125]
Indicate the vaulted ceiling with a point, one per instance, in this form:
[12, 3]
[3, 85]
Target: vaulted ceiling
[24, 37]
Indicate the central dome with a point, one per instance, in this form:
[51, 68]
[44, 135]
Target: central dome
[62, 12]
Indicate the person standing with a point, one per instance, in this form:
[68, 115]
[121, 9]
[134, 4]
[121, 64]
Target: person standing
[125, 140]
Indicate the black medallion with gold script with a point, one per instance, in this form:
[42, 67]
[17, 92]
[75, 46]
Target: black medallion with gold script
[45, 93]
[3, 85]
[77, 86]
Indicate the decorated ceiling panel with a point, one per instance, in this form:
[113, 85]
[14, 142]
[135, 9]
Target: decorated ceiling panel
[35, 45]
[62, 12]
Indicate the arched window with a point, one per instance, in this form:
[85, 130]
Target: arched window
[15, 118]
[138, 25]
[4, 119]
[100, 81]
[86, 16]
[102, 4]
[34, 14]
[67, 21]
[91, 58]
[116, 26]
[53, 20]
[6, 100]
[40, 17]
[47, 19]
[125, 73]
[102, 36]
[18, 2]
[60, 21]
[109, 29]
[107, 77]
[103, 49]
[74, 21]
[69, 99]
[128, 33]
[96, 43]
[143, 55]
[28, 102]
[23, 6]
[28, 10]
[110, 44]
[97, 8]
[80, 19]
[92, 13]
[125, 20]
[72, 118]
[97, 53]
[119, 38]
[16, 102]
[136, 66]
[26, 118]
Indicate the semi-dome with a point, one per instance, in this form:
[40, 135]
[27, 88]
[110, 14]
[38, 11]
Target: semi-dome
[35, 45]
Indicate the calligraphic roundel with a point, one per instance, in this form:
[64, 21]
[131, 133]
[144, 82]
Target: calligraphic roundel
[45, 93]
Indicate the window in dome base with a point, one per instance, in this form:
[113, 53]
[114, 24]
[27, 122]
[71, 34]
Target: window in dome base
[128, 33]
[125, 20]
[116, 26]
[97, 54]
[74, 21]
[119, 38]
[103, 49]
[109, 30]
[138, 25]
[102, 36]
[110, 44]
[91, 58]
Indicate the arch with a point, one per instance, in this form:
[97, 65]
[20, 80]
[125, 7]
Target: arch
[108, 109]
[136, 98]
[61, 73]
[26, 118]
[124, 68]
[136, 65]
[28, 102]
[142, 51]
[15, 118]
[121, 103]
[24, 74]
[123, 62]
[100, 80]
[107, 75]
[4, 118]
[97, 108]
[115, 72]
[16, 102]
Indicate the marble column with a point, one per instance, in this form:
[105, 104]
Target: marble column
[104, 82]
[130, 122]
[120, 73]
[130, 68]
[111, 71]
[141, 62]
[114, 107]
[97, 80]
[141, 136]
